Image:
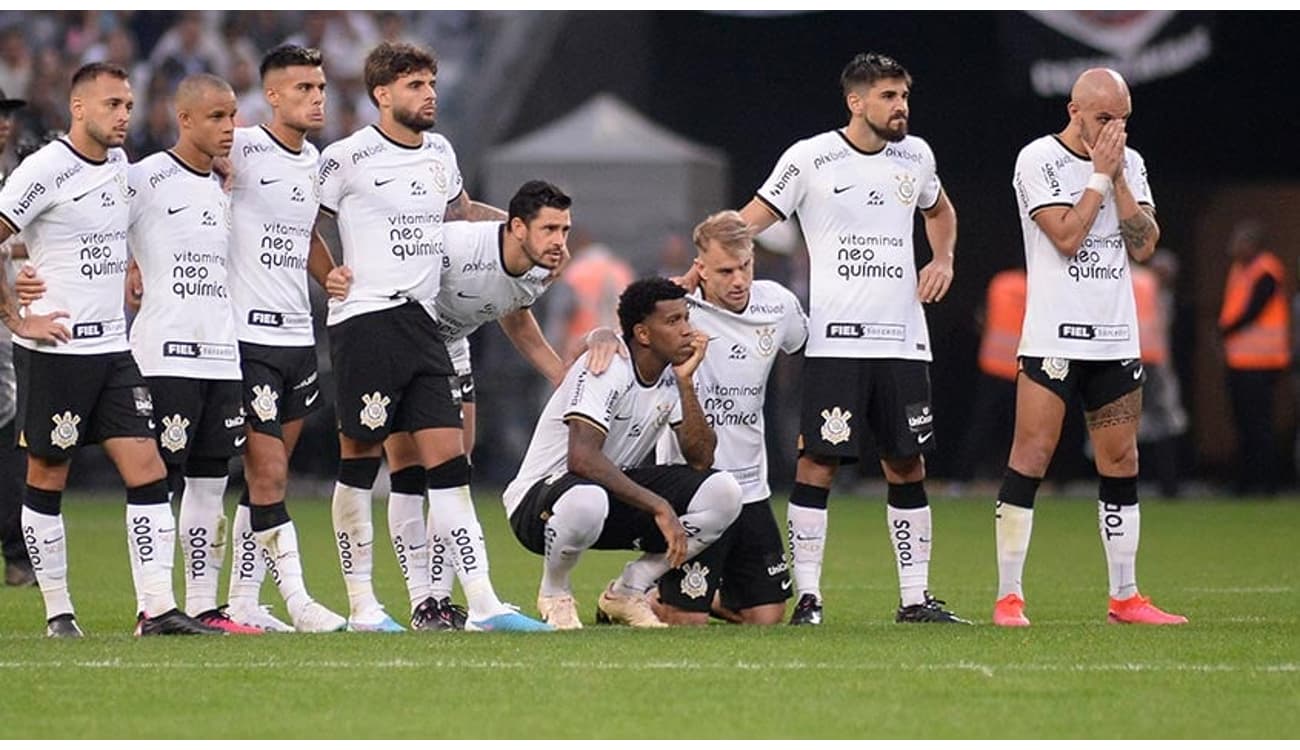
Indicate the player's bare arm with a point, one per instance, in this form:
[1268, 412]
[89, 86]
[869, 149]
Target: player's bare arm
[319, 259]
[338, 279]
[586, 460]
[43, 328]
[935, 278]
[694, 435]
[134, 283]
[1066, 227]
[1137, 223]
[523, 331]
[464, 209]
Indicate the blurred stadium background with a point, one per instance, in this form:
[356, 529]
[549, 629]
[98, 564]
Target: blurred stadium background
[654, 119]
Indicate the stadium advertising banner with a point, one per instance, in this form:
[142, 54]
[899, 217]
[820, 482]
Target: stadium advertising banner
[1046, 50]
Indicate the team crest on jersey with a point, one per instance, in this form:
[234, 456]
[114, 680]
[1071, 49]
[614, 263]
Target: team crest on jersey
[439, 176]
[173, 436]
[695, 582]
[1056, 368]
[374, 410]
[122, 186]
[64, 435]
[835, 427]
[766, 340]
[665, 411]
[264, 402]
[906, 188]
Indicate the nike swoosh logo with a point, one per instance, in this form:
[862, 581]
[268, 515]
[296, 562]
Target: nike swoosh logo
[312, 398]
[364, 544]
[923, 439]
[463, 295]
[785, 585]
[802, 538]
[1137, 374]
[839, 190]
[174, 211]
[622, 419]
[381, 183]
[55, 540]
[265, 181]
[469, 388]
[239, 441]
[83, 195]
[414, 547]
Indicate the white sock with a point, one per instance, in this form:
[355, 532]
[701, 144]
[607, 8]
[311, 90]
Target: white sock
[714, 507]
[1014, 526]
[576, 521]
[807, 531]
[909, 535]
[280, 545]
[203, 529]
[442, 568]
[354, 535]
[247, 566]
[452, 516]
[46, 538]
[406, 528]
[1120, 527]
[151, 536]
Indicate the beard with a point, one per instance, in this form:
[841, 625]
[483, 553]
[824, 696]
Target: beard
[106, 138]
[893, 136]
[413, 120]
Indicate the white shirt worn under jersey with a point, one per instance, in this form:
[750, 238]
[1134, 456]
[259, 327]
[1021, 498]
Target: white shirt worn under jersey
[1080, 307]
[389, 200]
[731, 382]
[274, 204]
[73, 215]
[180, 238]
[476, 288]
[857, 210]
[632, 414]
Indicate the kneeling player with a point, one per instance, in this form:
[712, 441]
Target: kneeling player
[592, 428]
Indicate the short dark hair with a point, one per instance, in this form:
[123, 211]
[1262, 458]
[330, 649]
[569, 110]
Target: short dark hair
[90, 71]
[532, 197]
[868, 67]
[638, 301]
[288, 56]
[392, 60]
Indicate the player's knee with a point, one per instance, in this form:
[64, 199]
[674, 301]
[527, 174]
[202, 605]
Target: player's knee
[679, 617]
[200, 466]
[409, 481]
[358, 472]
[1119, 462]
[1031, 457]
[719, 495]
[582, 510]
[448, 474]
[763, 614]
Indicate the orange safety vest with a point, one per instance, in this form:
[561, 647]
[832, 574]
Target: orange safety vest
[1265, 343]
[1005, 314]
[1151, 322]
[597, 278]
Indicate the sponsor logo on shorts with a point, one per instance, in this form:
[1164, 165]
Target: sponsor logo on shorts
[237, 421]
[1056, 368]
[374, 409]
[695, 583]
[919, 418]
[835, 427]
[64, 435]
[264, 402]
[173, 436]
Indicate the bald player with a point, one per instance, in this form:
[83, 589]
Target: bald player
[77, 382]
[1086, 210]
[183, 338]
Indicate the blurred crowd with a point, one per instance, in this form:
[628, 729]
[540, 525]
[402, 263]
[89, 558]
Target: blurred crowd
[39, 52]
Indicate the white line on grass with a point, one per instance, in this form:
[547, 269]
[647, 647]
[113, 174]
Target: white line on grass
[988, 670]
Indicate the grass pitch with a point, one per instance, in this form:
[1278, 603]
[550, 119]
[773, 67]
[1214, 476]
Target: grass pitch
[1231, 566]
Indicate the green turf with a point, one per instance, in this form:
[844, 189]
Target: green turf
[1233, 672]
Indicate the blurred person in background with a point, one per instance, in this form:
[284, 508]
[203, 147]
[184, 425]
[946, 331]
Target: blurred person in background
[1163, 416]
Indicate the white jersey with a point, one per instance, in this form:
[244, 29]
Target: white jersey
[1079, 307]
[632, 415]
[476, 288]
[180, 238]
[731, 382]
[389, 200]
[73, 215]
[273, 207]
[857, 213]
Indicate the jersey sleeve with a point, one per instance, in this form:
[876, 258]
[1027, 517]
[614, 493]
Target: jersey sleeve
[667, 450]
[794, 326]
[455, 182]
[675, 417]
[27, 193]
[785, 187]
[332, 178]
[931, 187]
[1036, 182]
[1135, 171]
[137, 186]
[592, 398]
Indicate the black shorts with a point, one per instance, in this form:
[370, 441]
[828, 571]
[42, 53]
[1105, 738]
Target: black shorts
[69, 400]
[890, 398]
[1098, 382]
[393, 374]
[747, 564]
[200, 418]
[281, 385]
[625, 526]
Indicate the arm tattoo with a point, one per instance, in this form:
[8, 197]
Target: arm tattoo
[8, 309]
[1123, 410]
[1137, 229]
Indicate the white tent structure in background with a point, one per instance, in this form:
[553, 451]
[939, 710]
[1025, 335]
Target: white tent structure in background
[632, 180]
